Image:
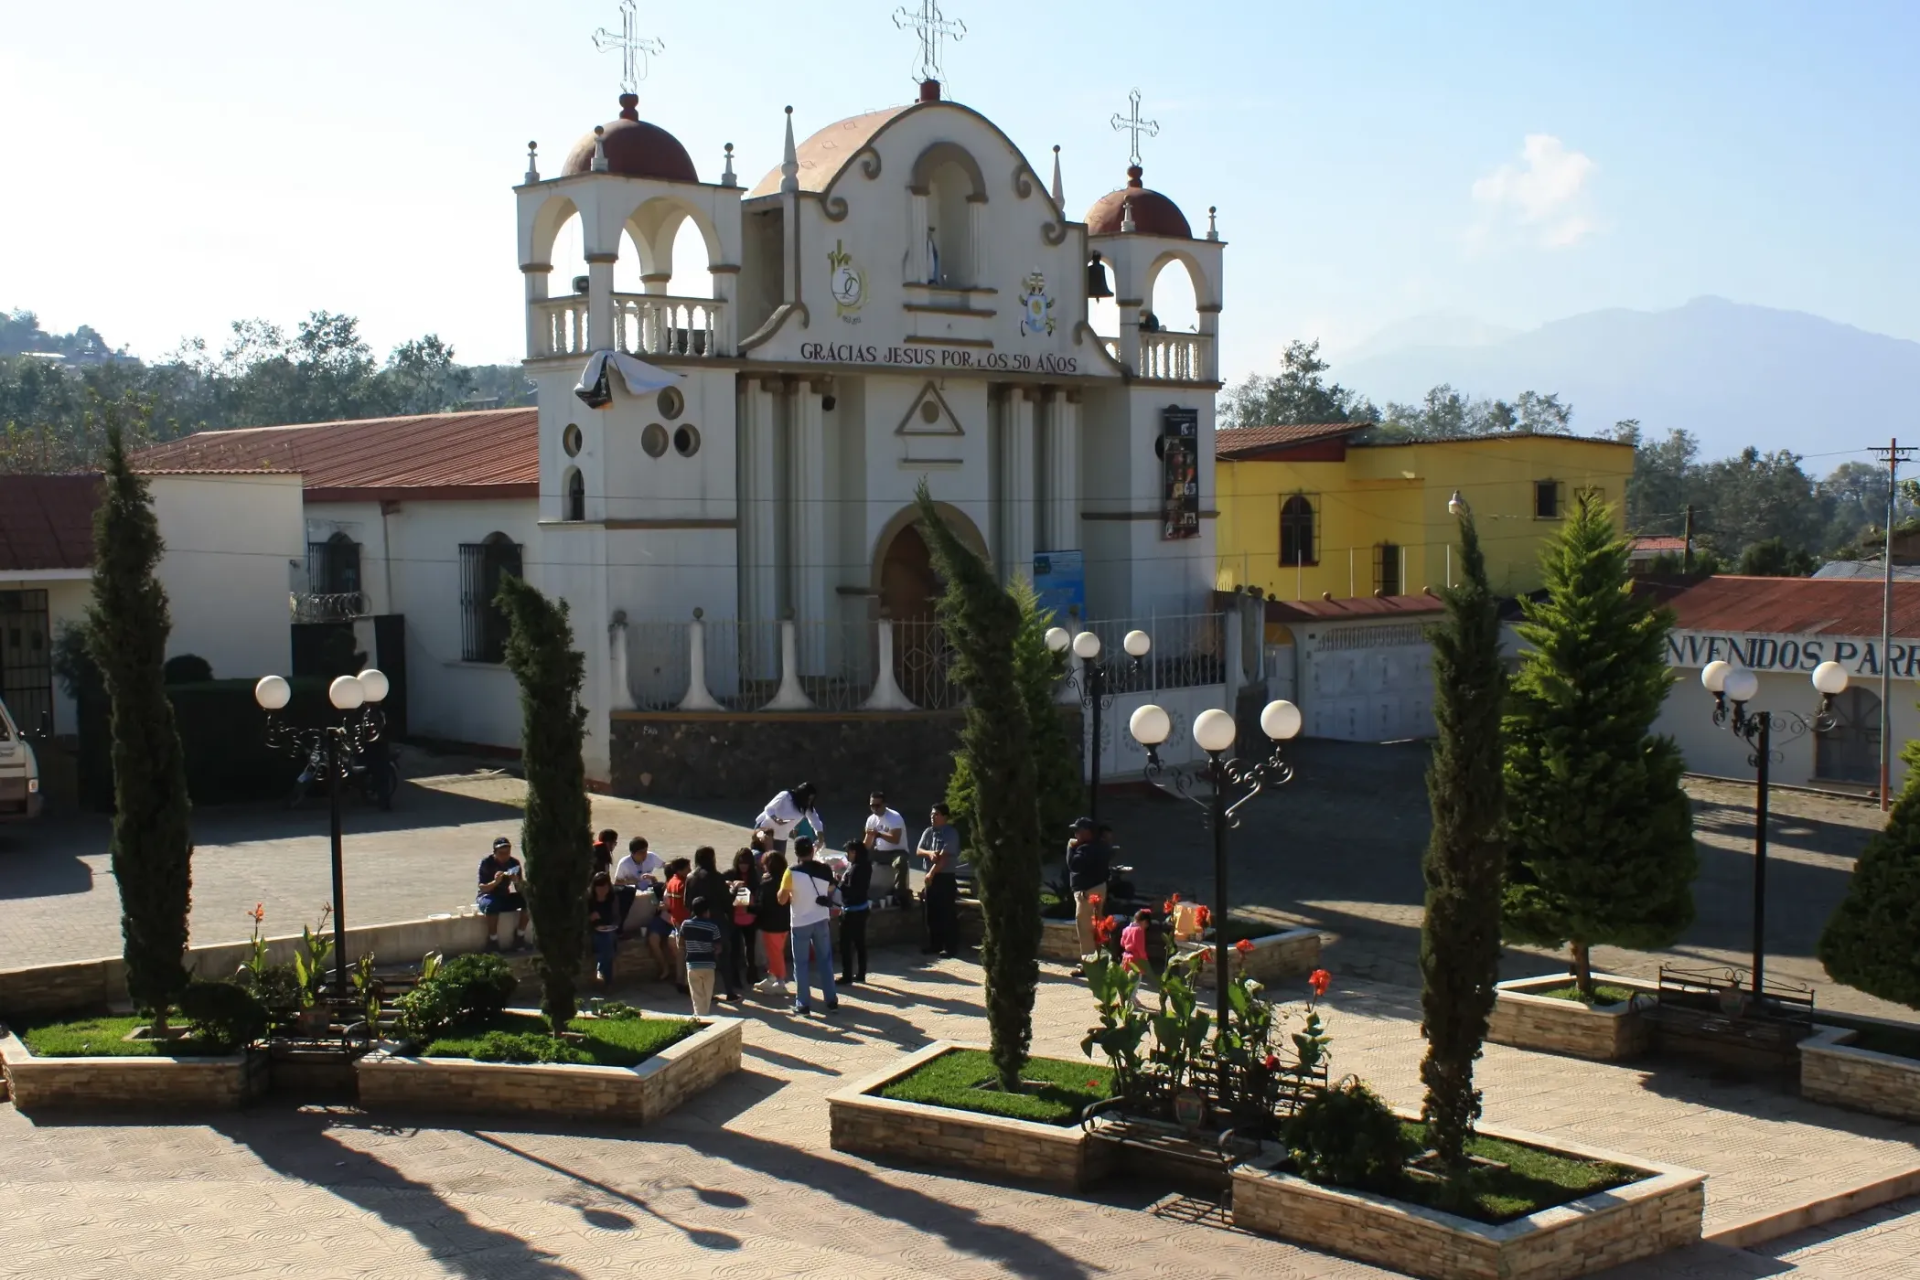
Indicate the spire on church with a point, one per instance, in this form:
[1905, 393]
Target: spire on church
[1213, 228]
[789, 162]
[726, 176]
[1059, 195]
[1126, 209]
[533, 164]
[599, 148]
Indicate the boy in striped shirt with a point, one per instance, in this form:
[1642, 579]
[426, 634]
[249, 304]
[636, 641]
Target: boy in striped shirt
[700, 939]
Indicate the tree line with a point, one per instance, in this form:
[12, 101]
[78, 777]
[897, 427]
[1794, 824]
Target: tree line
[1757, 512]
[53, 386]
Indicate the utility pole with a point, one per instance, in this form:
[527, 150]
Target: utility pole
[1686, 552]
[1894, 456]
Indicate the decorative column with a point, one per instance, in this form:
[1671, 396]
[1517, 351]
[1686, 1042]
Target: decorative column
[726, 288]
[887, 694]
[790, 696]
[977, 240]
[758, 509]
[600, 334]
[1210, 333]
[1018, 496]
[620, 694]
[919, 270]
[807, 508]
[539, 332]
[698, 698]
[1063, 472]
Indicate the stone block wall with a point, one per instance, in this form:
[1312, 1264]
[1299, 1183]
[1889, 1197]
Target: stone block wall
[109, 1084]
[1601, 1033]
[1834, 1072]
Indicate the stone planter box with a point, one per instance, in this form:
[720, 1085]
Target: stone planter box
[1547, 1024]
[1275, 958]
[1659, 1213]
[865, 1124]
[636, 1095]
[1881, 1084]
[1059, 941]
[109, 1084]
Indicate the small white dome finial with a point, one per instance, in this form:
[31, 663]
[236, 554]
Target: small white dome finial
[790, 162]
[533, 163]
[1213, 227]
[727, 178]
[599, 148]
[1126, 215]
[1059, 194]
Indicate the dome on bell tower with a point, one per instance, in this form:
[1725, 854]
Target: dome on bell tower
[635, 148]
[1153, 213]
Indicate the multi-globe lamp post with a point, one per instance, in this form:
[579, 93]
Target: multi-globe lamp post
[1733, 688]
[332, 748]
[1093, 683]
[1220, 787]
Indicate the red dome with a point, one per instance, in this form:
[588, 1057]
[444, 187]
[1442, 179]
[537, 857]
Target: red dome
[634, 148]
[1153, 213]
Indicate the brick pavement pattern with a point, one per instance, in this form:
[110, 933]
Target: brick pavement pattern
[741, 1184]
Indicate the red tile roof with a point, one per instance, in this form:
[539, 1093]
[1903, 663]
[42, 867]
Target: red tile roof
[46, 522]
[1253, 442]
[1659, 545]
[491, 453]
[1795, 606]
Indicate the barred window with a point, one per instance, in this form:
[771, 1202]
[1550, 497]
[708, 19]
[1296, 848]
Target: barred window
[483, 624]
[1297, 541]
[333, 566]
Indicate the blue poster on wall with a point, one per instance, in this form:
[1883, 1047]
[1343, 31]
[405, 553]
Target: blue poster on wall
[1060, 579]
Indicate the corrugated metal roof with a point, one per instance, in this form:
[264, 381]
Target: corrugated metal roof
[1658, 545]
[1369, 608]
[46, 522]
[487, 453]
[1245, 442]
[1795, 606]
[1874, 569]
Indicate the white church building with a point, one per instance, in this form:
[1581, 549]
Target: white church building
[903, 300]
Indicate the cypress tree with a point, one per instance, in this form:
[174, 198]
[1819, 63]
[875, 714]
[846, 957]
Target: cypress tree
[127, 628]
[555, 840]
[1872, 943]
[1466, 854]
[983, 624]
[1601, 833]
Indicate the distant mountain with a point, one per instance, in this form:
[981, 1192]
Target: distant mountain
[1440, 329]
[1732, 374]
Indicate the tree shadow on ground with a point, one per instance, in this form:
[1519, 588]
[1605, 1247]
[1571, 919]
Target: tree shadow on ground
[607, 1219]
[1763, 1097]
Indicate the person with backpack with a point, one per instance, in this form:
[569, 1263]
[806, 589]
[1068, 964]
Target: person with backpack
[854, 885]
[808, 891]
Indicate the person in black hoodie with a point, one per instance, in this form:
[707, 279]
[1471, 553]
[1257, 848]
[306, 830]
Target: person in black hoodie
[1088, 861]
[854, 885]
[707, 882]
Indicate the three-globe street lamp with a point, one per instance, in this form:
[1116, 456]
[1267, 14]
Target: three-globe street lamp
[1732, 689]
[333, 748]
[1095, 686]
[1230, 783]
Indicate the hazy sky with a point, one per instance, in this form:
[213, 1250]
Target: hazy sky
[169, 168]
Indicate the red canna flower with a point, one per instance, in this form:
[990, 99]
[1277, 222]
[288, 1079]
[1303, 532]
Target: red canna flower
[1093, 899]
[258, 913]
[1319, 980]
[1103, 930]
[1271, 1063]
[1202, 917]
[1243, 946]
[1093, 1084]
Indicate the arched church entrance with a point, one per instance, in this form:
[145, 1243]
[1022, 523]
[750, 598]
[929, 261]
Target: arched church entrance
[907, 588]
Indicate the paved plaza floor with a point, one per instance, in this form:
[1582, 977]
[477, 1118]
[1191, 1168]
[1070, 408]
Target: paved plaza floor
[741, 1184]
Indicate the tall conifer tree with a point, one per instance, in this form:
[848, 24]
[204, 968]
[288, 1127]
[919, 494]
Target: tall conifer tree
[983, 624]
[1466, 855]
[1601, 833]
[127, 628]
[1872, 943]
[556, 839]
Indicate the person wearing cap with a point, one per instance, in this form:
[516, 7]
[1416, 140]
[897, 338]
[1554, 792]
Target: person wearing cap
[503, 890]
[1087, 868]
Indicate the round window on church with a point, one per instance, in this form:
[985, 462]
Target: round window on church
[570, 439]
[929, 411]
[654, 439]
[671, 403]
[686, 441]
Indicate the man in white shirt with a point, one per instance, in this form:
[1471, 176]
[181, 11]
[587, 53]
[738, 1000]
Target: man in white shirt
[641, 867]
[788, 810]
[886, 841]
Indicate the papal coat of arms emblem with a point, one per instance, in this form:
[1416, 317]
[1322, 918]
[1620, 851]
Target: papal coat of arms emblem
[1039, 307]
[846, 282]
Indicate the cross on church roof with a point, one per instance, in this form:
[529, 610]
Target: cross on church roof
[1135, 125]
[633, 47]
[930, 24]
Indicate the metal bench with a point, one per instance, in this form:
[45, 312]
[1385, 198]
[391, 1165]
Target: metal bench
[1715, 1014]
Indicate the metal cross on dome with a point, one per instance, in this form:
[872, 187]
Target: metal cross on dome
[633, 47]
[930, 24]
[1135, 125]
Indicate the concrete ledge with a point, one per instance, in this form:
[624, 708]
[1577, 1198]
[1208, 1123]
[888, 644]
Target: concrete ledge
[110, 1083]
[1547, 1024]
[879, 1128]
[1834, 1072]
[1293, 953]
[637, 1095]
[1818, 1211]
[1659, 1213]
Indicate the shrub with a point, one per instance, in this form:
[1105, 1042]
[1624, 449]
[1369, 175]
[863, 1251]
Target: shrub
[187, 668]
[1349, 1137]
[616, 1010]
[427, 1010]
[482, 983]
[275, 986]
[514, 1046]
[223, 1015]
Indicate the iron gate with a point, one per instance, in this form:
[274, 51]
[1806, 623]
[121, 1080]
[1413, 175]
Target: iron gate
[26, 659]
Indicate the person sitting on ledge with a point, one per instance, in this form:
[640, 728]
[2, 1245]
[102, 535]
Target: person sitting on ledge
[503, 890]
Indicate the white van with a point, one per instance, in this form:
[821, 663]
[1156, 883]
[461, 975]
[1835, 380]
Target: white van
[19, 773]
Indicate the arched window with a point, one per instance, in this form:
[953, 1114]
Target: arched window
[483, 624]
[576, 501]
[1297, 543]
[1850, 751]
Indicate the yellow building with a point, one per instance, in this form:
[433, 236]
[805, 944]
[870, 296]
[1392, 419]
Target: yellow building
[1308, 512]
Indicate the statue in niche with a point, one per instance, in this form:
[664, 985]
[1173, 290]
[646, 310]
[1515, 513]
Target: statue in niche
[933, 257]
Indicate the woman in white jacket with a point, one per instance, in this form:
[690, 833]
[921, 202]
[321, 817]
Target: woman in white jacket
[787, 811]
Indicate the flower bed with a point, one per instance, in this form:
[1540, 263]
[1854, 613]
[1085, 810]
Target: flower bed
[637, 1069]
[1611, 1223]
[1545, 1014]
[1864, 1067]
[88, 1063]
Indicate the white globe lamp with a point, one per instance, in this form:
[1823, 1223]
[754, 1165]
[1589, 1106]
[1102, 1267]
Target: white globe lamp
[1150, 725]
[1741, 685]
[1058, 639]
[374, 683]
[273, 693]
[1137, 644]
[345, 693]
[1280, 720]
[1714, 676]
[1087, 646]
[1830, 678]
[1214, 731]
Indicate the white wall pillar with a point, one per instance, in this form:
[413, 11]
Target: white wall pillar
[600, 335]
[977, 239]
[1063, 473]
[808, 507]
[759, 505]
[918, 268]
[1020, 490]
[535, 275]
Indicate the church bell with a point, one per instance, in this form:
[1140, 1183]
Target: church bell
[1097, 286]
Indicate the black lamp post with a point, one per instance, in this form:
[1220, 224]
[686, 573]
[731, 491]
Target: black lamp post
[330, 747]
[1094, 685]
[1229, 784]
[1732, 689]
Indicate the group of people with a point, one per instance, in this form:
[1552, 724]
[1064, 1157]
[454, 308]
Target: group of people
[779, 898]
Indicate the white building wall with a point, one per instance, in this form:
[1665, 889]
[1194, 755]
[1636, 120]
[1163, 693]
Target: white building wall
[235, 544]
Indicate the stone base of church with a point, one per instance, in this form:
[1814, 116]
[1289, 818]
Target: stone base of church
[693, 756]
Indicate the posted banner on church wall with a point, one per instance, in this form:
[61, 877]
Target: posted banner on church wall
[1180, 452]
[1060, 581]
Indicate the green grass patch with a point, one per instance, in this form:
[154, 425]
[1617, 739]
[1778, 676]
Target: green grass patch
[1602, 994]
[1533, 1180]
[954, 1079]
[103, 1038]
[607, 1042]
